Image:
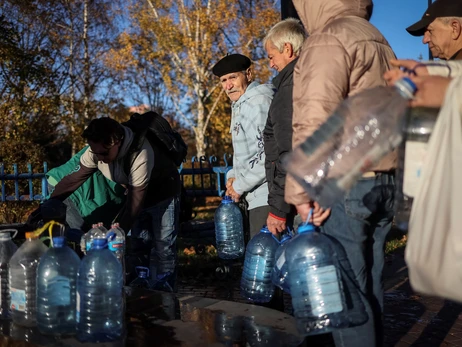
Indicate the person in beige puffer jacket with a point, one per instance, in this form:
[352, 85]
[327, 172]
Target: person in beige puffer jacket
[344, 55]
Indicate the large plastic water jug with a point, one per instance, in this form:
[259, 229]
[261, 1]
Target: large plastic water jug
[100, 307]
[56, 289]
[256, 283]
[229, 230]
[7, 249]
[23, 280]
[280, 271]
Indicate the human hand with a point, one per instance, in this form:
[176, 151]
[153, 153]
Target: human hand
[229, 182]
[318, 216]
[275, 225]
[232, 193]
[404, 68]
[431, 91]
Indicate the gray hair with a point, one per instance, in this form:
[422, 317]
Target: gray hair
[447, 20]
[289, 30]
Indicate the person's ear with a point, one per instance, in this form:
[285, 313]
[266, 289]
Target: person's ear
[288, 50]
[248, 75]
[456, 29]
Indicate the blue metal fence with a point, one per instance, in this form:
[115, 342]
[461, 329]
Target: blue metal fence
[201, 176]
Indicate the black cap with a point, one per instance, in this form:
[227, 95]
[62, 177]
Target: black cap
[440, 8]
[231, 63]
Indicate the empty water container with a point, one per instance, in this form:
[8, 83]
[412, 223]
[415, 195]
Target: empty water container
[100, 307]
[315, 283]
[280, 271]
[142, 281]
[7, 249]
[56, 289]
[256, 284]
[23, 280]
[229, 230]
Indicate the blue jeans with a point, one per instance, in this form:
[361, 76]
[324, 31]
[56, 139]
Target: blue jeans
[158, 227]
[360, 224]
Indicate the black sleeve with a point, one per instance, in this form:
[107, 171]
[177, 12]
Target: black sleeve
[282, 126]
[70, 183]
[133, 206]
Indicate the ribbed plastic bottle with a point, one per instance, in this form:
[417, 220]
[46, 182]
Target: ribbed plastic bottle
[100, 307]
[56, 289]
[117, 245]
[229, 230]
[256, 283]
[338, 153]
[142, 281]
[7, 249]
[280, 271]
[315, 283]
[23, 280]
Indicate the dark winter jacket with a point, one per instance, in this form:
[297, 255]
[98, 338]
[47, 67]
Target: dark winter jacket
[278, 140]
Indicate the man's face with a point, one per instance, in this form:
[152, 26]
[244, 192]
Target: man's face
[235, 84]
[278, 60]
[438, 36]
[106, 154]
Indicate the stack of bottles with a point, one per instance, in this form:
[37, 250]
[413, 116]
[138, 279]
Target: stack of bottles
[52, 290]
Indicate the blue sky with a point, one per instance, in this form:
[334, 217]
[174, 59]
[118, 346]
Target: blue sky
[392, 17]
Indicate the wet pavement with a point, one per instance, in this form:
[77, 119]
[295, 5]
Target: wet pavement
[410, 319]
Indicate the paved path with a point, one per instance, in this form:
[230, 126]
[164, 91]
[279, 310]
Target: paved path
[410, 319]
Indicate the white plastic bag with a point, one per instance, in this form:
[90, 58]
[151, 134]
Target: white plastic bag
[434, 249]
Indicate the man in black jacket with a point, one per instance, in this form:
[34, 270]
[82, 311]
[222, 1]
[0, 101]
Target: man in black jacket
[282, 44]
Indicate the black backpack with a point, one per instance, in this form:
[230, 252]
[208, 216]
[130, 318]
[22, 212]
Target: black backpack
[158, 131]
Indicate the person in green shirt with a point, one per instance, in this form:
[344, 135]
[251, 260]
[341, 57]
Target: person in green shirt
[97, 200]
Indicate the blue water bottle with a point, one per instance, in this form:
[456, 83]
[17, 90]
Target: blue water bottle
[280, 271]
[56, 289]
[315, 283]
[100, 308]
[229, 230]
[256, 284]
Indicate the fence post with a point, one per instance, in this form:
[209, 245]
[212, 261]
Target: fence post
[31, 187]
[44, 180]
[16, 182]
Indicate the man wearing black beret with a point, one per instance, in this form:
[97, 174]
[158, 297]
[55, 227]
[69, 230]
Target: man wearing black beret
[250, 105]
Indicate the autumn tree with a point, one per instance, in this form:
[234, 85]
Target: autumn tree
[182, 40]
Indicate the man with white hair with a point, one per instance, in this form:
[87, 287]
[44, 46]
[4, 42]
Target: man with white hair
[441, 28]
[283, 44]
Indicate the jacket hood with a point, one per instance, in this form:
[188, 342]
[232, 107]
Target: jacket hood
[315, 14]
[254, 89]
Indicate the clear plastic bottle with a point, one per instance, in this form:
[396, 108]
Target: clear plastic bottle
[56, 289]
[411, 156]
[23, 280]
[7, 249]
[330, 161]
[315, 283]
[100, 306]
[142, 281]
[117, 245]
[229, 230]
[256, 284]
[280, 271]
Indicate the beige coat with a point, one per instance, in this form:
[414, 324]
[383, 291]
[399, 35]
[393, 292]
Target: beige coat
[343, 55]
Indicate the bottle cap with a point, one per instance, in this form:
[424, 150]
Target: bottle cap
[143, 272]
[406, 87]
[285, 237]
[30, 235]
[99, 243]
[265, 230]
[58, 241]
[227, 199]
[305, 228]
